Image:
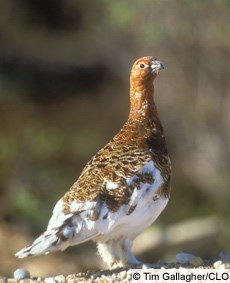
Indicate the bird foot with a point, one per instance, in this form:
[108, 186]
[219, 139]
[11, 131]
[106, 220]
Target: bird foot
[116, 264]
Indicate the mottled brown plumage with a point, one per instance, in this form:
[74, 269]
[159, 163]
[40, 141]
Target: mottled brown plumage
[140, 140]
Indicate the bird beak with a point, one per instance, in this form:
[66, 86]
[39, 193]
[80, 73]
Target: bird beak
[156, 66]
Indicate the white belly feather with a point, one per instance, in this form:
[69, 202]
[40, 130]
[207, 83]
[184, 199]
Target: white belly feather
[148, 206]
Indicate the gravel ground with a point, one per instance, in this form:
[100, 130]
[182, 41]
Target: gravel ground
[115, 275]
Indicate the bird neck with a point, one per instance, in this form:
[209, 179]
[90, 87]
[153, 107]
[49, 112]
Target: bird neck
[143, 122]
[142, 105]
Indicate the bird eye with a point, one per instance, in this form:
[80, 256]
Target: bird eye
[142, 66]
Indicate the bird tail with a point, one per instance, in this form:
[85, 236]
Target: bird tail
[46, 243]
[63, 230]
[59, 238]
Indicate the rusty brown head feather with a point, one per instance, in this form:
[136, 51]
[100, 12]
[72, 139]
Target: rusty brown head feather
[143, 73]
[145, 68]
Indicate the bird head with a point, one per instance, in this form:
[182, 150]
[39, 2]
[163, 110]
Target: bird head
[143, 72]
[146, 68]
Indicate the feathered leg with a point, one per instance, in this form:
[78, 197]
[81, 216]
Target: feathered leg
[109, 253]
[117, 253]
[125, 252]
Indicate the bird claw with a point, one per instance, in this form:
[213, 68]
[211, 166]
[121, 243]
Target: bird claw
[116, 264]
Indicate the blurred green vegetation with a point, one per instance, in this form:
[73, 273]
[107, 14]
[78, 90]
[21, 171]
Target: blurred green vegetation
[64, 84]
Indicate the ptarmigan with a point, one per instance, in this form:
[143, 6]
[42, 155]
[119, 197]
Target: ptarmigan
[122, 189]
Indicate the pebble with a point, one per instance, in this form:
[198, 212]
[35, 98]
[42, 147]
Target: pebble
[145, 266]
[222, 266]
[123, 274]
[225, 257]
[109, 278]
[184, 258]
[95, 275]
[196, 261]
[217, 264]
[50, 280]
[21, 273]
[59, 278]
[129, 272]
